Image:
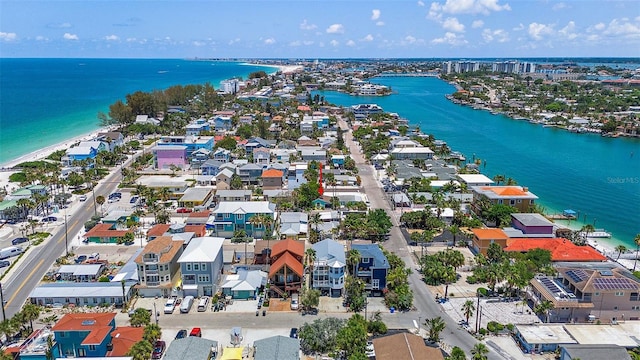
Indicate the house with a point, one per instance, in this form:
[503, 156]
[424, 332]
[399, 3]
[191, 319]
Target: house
[198, 218]
[222, 123]
[158, 265]
[223, 179]
[313, 155]
[257, 142]
[536, 339]
[81, 294]
[104, 233]
[286, 271]
[482, 238]
[233, 195]
[119, 217]
[532, 223]
[122, 339]
[197, 127]
[84, 334]
[474, 180]
[113, 139]
[593, 352]
[168, 230]
[191, 348]
[199, 157]
[250, 173]
[410, 153]
[294, 224]
[229, 216]
[261, 156]
[404, 346]
[272, 179]
[167, 156]
[80, 272]
[195, 196]
[372, 267]
[85, 150]
[176, 186]
[561, 249]
[585, 292]
[145, 119]
[35, 347]
[201, 265]
[276, 348]
[329, 267]
[338, 160]
[246, 284]
[211, 167]
[193, 143]
[519, 197]
[221, 154]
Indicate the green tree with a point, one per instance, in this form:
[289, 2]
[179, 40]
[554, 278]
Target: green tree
[457, 354]
[544, 308]
[236, 182]
[310, 299]
[479, 352]
[227, 142]
[353, 259]
[140, 317]
[434, 327]
[620, 249]
[636, 240]
[352, 338]
[355, 294]
[152, 332]
[500, 214]
[141, 350]
[31, 312]
[467, 310]
[320, 336]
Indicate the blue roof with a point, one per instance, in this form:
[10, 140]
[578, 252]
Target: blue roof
[372, 251]
[329, 249]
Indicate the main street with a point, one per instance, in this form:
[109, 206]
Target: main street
[423, 300]
[36, 262]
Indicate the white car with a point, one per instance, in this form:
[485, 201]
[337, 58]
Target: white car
[169, 306]
[82, 197]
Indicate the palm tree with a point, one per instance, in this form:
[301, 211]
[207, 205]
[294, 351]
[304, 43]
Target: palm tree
[257, 221]
[100, 201]
[434, 327]
[457, 354]
[7, 328]
[315, 220]
[467, 309]
[353, 259]
[637, 241]
[152, 332]
[479, 352]
[543, 308]
[620, 249]
[31, 312]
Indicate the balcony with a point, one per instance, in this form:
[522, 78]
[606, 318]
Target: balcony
[152, 283]
[321, 284]
[365, 273]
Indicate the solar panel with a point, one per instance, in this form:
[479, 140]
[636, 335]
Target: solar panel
[577, 275]
[614, 284]
[550, 285]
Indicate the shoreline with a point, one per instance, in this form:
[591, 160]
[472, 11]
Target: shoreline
[285, 69]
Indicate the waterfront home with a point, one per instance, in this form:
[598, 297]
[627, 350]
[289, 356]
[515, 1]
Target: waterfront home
[482, 238]
[85, 150]
[516, 196]
[221, 154]
[474, 180]
[80, 272]
[201, 265]
[561, 249]
[276, 348]
[169, 155]
[404, 346]
[286, 270]
[294, 224]
[233, 195]
[84, 334]
[158, 265]
[410, 153]
[195, 196]
[245, 284]
[313, 154]
[532, 224]
[229, 216]
[272, 179]
[145, 119]
[105, 233]
[372, 267]
[366, 109]
[199, 157]
[594, 351]
[329, 267]
[81, 294]
[112, 138]
[122, 340]
[192, 143]
[586, 292]
[197, 127]
[191, 348]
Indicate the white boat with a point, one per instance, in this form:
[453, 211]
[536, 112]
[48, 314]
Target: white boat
[599, 233]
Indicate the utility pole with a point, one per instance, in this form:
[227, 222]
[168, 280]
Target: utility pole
[66, 235]
[4, 316]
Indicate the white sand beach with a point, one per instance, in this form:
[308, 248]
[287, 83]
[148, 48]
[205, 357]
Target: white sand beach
[285, 69]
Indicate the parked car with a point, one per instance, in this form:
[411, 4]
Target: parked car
[196, 331]
[115, 195]
[169, 306]
[181, 334]
[183, 210]
[82, 197]
[293, 333]
[80, 259]
[158, 349]
[133, 200]
[49, 219]
[94, 256]
[4, 263]
[19, 240]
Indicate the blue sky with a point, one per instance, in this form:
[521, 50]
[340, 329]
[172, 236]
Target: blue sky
[319, 29]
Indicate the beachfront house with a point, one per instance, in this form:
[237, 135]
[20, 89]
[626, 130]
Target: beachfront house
[229, 216]
[169, 155]
[482, 238]
[201, 265]
[516, 196]
[192, 143]
[84, 151]
[112, 138]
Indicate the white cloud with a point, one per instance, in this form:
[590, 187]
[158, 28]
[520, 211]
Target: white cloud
[569, 31]
[307, 42]
[112, 38]
[375, 14]
[520, 27]
[451, 39]
[477, 24]
[5, 36]
[199, 43]
[560, 6]
[334, 43]
[435, 11]
[68, 36]
[233, 41]
[539, 31]
[600, 26]
[622, 28]
[41, 38]
[335, 29]
[498, 35]
[350, 43]
[380, 23]
[470, 6]
[306, 26]
[270, 41]
[369, 37]
[64, 25]
[132, 39]
[295, 43]
[452, 24]
[410, 39]
[420, 3]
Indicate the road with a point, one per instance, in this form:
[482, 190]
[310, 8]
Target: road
[424, 301]
[37, 261]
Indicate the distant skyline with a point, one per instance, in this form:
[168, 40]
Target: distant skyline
[320, 29]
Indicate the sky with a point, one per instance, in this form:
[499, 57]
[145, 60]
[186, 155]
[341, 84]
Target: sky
[319, 29]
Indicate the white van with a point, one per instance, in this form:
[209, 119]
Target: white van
[187, 302]
[204, 302]
[10, 252]
[295, 304]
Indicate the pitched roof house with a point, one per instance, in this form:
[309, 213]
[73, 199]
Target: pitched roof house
[286, 270]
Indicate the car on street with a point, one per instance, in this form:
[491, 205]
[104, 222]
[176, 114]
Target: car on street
[293, 333]
[19, 240]
[133, 200]
[181, 334]
[158, 349]
[82, 197]
[4, 263]
[183, 210]
[49, 219]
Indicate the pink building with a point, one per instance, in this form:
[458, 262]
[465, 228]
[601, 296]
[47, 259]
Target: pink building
[167, 155]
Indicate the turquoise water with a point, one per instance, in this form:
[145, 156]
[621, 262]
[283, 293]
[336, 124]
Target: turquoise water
[46, 101]
[598, 177]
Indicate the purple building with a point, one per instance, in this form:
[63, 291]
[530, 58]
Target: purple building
[167, 155]
[532, 223]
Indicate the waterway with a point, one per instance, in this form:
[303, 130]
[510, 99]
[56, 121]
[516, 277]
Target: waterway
[597, 177]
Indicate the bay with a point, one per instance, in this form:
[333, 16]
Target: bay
[595, 176]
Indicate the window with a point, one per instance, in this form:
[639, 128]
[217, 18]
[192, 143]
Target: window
[92, 347]
[634, 297]
[227, 216]
[81, 352]
[219, 227]
[635, 308]
[188, 266]
[203, 278]
[365, 260]
[203, 266]
[619, 293]
[239, 217]
[196, 267]
[519, 201]
[586, 296]
[596, 294]
[500, 201]
[512, 202]
[63, 334]
[375, 283]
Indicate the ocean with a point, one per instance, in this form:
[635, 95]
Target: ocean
[46, 101]
[597, 177]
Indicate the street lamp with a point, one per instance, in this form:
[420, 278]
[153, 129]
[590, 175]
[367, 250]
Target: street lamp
[4, 316]
[66, 234]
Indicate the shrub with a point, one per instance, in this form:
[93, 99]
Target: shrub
[483, 292]
[510, 327]
[495, 327]
[482, 331]
[471, 279]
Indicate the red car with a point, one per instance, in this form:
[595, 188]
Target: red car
[196, 332]
[158, 349]
[183, 210]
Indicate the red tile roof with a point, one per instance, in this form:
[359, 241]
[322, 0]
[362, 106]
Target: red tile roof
[163, 245]
[161, 229]
[304, 108]
[98, 325]
[104, 230]
[123, 339]
[289, 245]
[288, 260]
[158, 230]
[272, 173]
[200, 214]
[561, 249]
[489, 234]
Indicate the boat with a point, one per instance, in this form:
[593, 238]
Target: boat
[598, 233]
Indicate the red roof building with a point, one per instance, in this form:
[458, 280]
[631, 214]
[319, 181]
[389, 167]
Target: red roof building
[123, 338]
[287, 270]
[561, 249]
